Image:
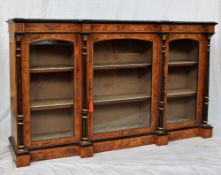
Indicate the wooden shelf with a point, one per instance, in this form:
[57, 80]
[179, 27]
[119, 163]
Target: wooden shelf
[182, 63]
[120, 123]
[51, 69]
[178, 120]
[118, 99]
[37, 137]
[51, 104]
[121, 66]
[180, 93]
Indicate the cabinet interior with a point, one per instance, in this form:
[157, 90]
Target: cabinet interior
[184, 50]
[181, 109]
[121, 84]
[51, 53]
[122, 51]
[51, 89]
[51, 124]
[182, 80]
[121, 116]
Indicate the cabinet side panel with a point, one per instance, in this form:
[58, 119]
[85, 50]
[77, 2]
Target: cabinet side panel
[13, 86]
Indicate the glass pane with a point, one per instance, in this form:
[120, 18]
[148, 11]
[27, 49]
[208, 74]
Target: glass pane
[51, 53]
[184, 50]
[122, 52]
[182, 80]
[117, 117]
[122, 85]
[51, 87]
[51, 124]
[181, 109]
[51, 92]
[121, 82]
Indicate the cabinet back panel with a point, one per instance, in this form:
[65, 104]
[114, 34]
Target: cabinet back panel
[181, 109]
[184, 78]
[123, 116]
[122, 82]
[184, 50]
[122, 51]
[51, 86]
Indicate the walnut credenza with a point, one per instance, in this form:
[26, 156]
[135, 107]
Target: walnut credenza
[80, 87]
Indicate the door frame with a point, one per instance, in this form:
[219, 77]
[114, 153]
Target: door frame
[93, 38]
[200, 38]
[26, 41]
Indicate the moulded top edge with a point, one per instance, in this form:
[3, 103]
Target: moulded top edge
[26, 20]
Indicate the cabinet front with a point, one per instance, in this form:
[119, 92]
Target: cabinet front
[51, 79]
[184, 80]
[121, 69]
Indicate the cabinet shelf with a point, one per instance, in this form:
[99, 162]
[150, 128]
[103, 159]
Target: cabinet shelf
[181, 93]
[51, 69]
[182, 63]
[177, 120]
[51, 104]
[119, 99]
[121, 66]
[37, 137]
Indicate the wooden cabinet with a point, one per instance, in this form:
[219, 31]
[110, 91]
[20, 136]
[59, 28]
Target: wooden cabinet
[80, 87]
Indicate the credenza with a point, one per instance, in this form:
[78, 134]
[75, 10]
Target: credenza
[80, 87]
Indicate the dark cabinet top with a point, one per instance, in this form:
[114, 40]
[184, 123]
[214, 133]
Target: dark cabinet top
[26, 20]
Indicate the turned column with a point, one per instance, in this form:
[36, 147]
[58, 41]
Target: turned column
[206, 130]
[22, 157]
[161, 134]
[206, 90]
[86, 149]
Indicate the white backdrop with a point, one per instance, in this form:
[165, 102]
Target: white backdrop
[179, 10]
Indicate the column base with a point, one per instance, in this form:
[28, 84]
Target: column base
[22, 161]
[20, 157]
[86, 149]
[206, 131]
[161, 138]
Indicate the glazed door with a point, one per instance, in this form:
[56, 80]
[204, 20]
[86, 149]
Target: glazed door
[51, 100]
[121, 89]
[185, 65]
